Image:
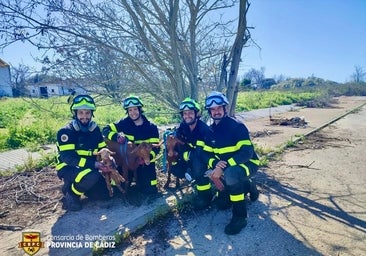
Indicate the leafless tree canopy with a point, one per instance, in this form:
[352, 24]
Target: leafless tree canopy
[170, 49]
[358, 75]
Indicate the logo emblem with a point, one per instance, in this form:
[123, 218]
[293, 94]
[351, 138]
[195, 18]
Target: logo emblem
[31, 242]
[64, 138]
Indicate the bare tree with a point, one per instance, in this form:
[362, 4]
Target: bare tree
[256, 77]
[19, 76]
[168, 48]
[358, 75]
[242, 37]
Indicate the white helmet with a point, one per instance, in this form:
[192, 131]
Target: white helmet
[215, 99]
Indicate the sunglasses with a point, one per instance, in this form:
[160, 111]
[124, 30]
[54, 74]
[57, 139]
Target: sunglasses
[215, 100]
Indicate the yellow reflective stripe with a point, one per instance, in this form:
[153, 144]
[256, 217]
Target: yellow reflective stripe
[102, 144]
[67, 147]
[154, 140]
[150, 141]
[82, 162]
[153, 158]
[113, 127]
[110, 135]
[130, 137]
[210, 162]
[200, 143]
[237, 198]
[207, 148]
[231, 161]
[152, 153]
[232, 148]
[82, 174]
[77, 192]
[113, 131]
[254, 161]
[95, 151]
[153, 182]
[60, 166]
[203, 187]
[246, 169]
[82, 152]
[113, 183]
[186, 155]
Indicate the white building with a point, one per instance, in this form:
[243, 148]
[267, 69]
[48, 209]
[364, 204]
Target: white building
[5, 82]
[54, 88]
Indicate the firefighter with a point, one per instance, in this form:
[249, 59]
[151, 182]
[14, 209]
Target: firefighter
[230, 154]
[136, 128]
[193, 132]
[76, 163]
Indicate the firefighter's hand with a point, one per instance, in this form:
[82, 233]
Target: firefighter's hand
[121, 139]
[221, 164]
[216, 177]
[217, 173]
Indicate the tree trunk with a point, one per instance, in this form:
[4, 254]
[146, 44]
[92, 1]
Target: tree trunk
[241, 38]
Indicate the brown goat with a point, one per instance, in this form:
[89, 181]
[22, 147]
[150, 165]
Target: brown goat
[105, 157]
[171, 145]
[130, 156]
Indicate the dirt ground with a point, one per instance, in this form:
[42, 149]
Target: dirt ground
[315, 192]
[312, 200]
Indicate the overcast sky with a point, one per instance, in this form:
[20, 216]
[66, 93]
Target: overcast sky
[298, 38]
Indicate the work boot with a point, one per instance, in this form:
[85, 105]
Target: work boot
[253, 193]
[236, 225]
[72, 202]
[202, 200]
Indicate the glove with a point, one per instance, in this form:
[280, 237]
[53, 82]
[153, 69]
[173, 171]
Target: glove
[101, 167]
[121, 139]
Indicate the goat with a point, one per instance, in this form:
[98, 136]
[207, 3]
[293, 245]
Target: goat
[171, 155]
[105, 157]
[130, 156]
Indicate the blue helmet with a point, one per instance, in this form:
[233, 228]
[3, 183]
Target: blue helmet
[215, 99]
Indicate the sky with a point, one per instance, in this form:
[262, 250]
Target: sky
[298, 39]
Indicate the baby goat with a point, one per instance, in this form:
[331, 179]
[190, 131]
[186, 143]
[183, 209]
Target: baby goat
[105, 157]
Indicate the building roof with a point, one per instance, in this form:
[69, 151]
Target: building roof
[3, 64]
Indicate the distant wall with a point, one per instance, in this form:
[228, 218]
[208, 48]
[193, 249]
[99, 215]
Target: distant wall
[5, 82]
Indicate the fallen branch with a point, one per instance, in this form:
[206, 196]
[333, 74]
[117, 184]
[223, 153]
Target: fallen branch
[11, 227]
[302, 166]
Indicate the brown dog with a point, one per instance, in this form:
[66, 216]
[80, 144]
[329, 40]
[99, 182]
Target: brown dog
[105, 157]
